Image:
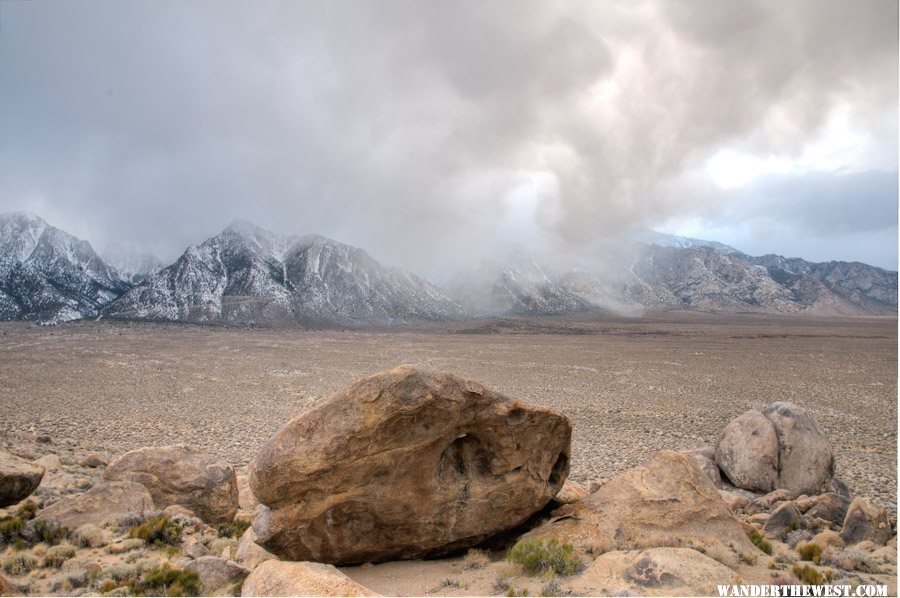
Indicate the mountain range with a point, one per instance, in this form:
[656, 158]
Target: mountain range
[246, 275]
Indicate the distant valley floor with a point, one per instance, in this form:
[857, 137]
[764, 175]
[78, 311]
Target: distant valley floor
[630, 386]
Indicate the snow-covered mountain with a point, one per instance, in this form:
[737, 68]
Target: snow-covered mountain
[676, 273]
[49, 276]
[247, 275]
[130, 265]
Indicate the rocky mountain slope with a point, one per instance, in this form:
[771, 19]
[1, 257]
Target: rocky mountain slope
[132, 266]
[677, 273]
[49, 276]
[246, 275]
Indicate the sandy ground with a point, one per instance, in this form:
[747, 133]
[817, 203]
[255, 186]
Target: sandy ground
[630, 386]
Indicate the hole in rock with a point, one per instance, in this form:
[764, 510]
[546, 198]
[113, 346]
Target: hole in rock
[466, 456]
[560, 469]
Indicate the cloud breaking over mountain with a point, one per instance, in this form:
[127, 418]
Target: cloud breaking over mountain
[421, 130]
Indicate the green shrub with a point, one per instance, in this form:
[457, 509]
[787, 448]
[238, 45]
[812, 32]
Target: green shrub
[808, 575]
[10, 529]
[810, 552]
[27, 510]
[157, 531]
[57, 555]
[49, 532]
[20, 563]
[540, 555]
[235, 529]
[760, 542]
[173, 582]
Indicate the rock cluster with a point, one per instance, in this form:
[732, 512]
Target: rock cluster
[405, 464]
[18, 478]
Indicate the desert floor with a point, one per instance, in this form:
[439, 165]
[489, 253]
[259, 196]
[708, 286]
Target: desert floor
[630, 386]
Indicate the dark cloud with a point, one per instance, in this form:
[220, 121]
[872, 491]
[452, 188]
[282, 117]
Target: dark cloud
[415, 129]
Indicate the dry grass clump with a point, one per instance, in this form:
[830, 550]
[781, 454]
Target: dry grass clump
[810, 552]
[235, 529]
[809, 575]
[90, 536]
[476, 559]
[540, 555]
[760, 542]
[157, 531]
[20, 562]
[57, 555]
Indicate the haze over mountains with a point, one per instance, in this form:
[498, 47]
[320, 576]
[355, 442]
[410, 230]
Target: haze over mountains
[249, 276]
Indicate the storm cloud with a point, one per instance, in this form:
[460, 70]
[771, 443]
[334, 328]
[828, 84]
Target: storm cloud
[424, 131]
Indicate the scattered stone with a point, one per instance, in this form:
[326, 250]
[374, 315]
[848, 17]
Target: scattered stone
[668, 498]
[107, 502]
[734, 501]
[653, 572]
[278, 578]
[767, 501]
[179, 512]
[831, 507]
[216, 573]
[93, 461]
[805, 455]
[747, 452]
[43, 439]
[179, 475]
[49, 462]
[18, 478]
[570, 492]
[425, 464]
[706, 461]
[785, 518]
[865, 521]
[193, 548]
[249, 553]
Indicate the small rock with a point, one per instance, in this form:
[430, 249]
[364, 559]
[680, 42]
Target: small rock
[216, 573]
[767, 501]
[179, 475]
[734, 501]
[7, 589]
[278, 578]
[108, 502]
[831, 507]
[193, 548]
[785, 518]
[828, 538]
[707, 465]
[49, 462]
[179, 512]
[249, 553]
[18, 478]
[43, 439]
[93, 460]
[865, 521]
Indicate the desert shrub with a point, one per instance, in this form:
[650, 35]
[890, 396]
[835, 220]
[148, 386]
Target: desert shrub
[219, 545]
[48, 532]
[157, 531]
[810, 552]
[540, 555]
[27, 510]
[107, 586]
[173, 582]
[551, 587]
[20, 563]
[57, 555]
[237, 588]
[760, 542]
[90, 536]
[11, 529]
[476, 559]
[808, 575]
[235, 529]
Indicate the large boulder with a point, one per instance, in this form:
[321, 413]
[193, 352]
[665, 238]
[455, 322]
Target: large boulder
[805, 456]
[664, 501]
[865, 521]
[107, 502]
[706, 461]
[278, 578]
[18, 478]
[404, 464]
[653, 572]
[747, 452]
[249, 553]
[180, 475]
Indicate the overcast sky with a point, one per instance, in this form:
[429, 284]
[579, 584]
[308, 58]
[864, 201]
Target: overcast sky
[422, 130]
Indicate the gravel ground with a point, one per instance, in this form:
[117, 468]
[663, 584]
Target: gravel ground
[630, 386]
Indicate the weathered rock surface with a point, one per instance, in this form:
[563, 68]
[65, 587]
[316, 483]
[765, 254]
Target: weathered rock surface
[278, 578]
[106, 502]
[570, 492]
[7, 589]
[18, 478]
[706, 461]
[48, 462]
[179, 475]
[249, 553]
[653, 572]
[865, 521]
[805, 455]
[668, 498]
[404, 464]
[831, 507]
[747, 452]
[93, 460]
[216, 573]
